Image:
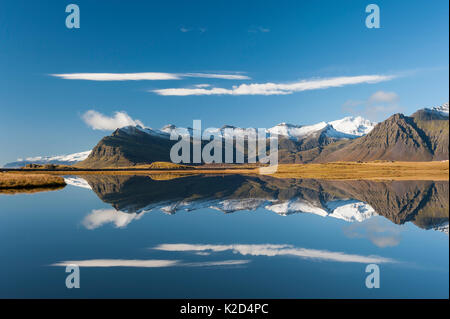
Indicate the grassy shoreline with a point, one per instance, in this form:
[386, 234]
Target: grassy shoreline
[377, 170]
[23, 181]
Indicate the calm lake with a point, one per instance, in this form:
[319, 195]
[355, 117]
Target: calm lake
[226, 236]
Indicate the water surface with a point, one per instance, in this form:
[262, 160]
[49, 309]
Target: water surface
[226, 236]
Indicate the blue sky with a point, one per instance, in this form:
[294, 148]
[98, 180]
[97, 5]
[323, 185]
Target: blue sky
[281, 42]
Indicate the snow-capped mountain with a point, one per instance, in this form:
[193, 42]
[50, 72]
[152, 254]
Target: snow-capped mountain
[296, 131]
[68, 159]
[346, 128]
[357, 126]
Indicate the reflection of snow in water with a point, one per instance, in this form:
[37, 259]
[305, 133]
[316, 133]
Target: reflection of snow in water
[348, 210]
[442, 227]
[77, 181]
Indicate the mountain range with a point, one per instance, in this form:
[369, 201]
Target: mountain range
[423, 136]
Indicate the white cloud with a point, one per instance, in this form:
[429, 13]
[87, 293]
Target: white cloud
[118, 76]
[147, 263]
[230, 76]
[277, 88]
[186, 29]
[377, 107]
[98, 121]
[271, 250]
[146, 76]
[258, 29]
[383, 97]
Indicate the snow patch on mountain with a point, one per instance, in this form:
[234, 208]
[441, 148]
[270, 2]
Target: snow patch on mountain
[296, 131]
[356, 126]
[75, 157]
[348, 127]
[442, 109]
[134, 130]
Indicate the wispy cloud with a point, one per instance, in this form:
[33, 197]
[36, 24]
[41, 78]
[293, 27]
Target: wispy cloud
[262, 29]
[271, 250]
[99, 121]
[277, 88]
[151, 76]
[378, 106]
[188, 29]
[147, 263]
[383, 97]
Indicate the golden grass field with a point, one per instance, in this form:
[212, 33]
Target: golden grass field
[376, 170]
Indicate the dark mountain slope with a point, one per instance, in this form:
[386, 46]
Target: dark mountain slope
[128, 147]
[399, 138]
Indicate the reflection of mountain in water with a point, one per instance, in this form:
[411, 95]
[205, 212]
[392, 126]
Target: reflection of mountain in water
[425, 203]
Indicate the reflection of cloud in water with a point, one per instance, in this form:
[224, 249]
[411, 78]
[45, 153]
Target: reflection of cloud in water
[379, 231]
[272, 250]
[149, 263]
[99, 217]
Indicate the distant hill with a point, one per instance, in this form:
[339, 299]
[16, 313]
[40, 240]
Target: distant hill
[69, 159]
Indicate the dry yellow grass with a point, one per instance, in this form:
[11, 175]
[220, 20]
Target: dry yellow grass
[378, 170]
[27, 180]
